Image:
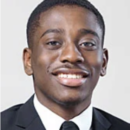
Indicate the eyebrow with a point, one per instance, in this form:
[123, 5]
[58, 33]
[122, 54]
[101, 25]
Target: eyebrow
[81, 31]
[88, 31]
[52, 31]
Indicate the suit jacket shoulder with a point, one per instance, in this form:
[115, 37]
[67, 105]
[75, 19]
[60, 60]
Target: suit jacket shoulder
[21, 117]
[116, 123]
[8, 117]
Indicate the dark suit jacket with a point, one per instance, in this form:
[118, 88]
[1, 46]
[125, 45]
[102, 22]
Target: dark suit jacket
[25, 117]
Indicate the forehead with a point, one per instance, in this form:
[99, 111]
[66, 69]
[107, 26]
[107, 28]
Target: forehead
[69, 18]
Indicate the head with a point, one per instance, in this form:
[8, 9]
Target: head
[33, 21]
[65, 54]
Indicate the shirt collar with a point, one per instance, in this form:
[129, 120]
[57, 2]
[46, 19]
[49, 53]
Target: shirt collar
[84, 120]
[53, 121]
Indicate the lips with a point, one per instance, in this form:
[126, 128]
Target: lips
[71, 77]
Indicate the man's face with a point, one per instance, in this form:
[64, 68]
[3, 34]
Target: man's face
[67, 57]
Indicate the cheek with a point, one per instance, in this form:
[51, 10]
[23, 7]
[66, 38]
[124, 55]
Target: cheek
[94, 59]
[42, 59]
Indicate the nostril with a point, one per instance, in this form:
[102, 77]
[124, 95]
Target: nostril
[72, 61]
[65, 61]
[79, 61]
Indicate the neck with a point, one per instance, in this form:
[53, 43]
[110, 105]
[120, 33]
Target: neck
[67, 112]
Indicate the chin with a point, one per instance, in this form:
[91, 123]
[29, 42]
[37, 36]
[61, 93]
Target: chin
[69, 101]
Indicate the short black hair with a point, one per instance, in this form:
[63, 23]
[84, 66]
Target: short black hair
[33, 21]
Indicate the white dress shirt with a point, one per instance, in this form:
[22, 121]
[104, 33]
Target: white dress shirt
[52, 121]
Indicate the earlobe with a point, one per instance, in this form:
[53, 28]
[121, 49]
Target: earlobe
[27, 61]
[105, 62]
[103, 72]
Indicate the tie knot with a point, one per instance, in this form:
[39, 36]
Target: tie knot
[69, 125]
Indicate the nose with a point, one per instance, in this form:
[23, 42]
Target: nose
[71, 54]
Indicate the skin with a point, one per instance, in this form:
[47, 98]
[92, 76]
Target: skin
[67, 47]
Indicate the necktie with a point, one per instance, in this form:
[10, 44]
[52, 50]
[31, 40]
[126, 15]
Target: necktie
[69, 125]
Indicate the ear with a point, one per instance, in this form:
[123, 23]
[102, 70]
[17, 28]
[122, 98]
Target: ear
[27, 61]
[105, 62]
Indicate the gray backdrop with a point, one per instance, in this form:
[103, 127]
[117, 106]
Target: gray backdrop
[113, 91]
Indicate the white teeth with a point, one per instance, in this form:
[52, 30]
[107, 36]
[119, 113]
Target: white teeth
[70, 76]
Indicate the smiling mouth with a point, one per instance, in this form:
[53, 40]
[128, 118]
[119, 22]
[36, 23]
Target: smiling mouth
[71, 77]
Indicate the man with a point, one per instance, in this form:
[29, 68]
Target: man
[66, 58]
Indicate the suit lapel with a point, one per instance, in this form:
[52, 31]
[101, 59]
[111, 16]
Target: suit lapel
[99, 121]
[28, 118]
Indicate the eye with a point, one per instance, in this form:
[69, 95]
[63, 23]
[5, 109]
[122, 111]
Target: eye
[53, 45]
[88, 45]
